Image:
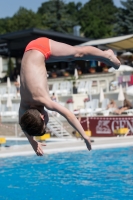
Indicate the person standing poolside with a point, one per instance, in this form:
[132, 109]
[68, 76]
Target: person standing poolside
[34, 87]
[53, 97]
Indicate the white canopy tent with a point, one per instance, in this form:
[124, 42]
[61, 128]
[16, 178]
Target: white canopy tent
[125, 54]
[76, 74]
[122, 68]
[9, 102]
[8, 83]
[118, 43]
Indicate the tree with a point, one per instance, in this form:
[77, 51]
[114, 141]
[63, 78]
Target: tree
[55, 16]
[97, 18]
[24, 19]
[5, 25]
[73, 9]
[124, 18]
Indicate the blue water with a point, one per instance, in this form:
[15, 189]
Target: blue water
[19, 142]
[15, 142]
[99, 174]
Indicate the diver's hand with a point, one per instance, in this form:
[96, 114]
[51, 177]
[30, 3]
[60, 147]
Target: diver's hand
[37, 146]
[88, 143]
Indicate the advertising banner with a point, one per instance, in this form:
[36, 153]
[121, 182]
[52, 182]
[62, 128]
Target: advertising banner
[107, 126]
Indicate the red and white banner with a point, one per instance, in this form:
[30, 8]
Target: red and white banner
[105, 126]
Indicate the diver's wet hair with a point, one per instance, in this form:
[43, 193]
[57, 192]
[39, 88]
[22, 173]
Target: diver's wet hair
[31, 123]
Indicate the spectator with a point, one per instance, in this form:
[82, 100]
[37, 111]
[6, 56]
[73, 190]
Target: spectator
[53, 97]
[112, 105]
[127, 105]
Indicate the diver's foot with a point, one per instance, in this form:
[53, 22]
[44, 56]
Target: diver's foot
[112, 59]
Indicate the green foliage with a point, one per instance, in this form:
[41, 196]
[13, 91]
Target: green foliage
[55, 16]
[23, 19]
[124, 18]
[97, 18]
[5, 25]
[73, 10]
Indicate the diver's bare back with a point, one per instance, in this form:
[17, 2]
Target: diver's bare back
[33, 78]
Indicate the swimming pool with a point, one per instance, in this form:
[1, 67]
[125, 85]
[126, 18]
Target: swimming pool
[24, 141]
[19, 142]
[15, 142]
[99, 174]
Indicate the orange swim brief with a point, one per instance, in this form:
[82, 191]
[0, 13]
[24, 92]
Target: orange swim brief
[40, 44]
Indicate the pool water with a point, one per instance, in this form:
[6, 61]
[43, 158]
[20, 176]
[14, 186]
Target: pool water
[99, 174]
[15, 142]
[19, 142]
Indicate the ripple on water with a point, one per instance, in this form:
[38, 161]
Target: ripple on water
[100, 174]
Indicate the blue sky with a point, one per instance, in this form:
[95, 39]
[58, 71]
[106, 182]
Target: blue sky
[14, 5]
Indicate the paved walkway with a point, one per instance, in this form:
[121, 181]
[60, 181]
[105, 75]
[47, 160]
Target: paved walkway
[67, 145]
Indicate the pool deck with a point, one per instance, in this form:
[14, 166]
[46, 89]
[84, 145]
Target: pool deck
[64, 145]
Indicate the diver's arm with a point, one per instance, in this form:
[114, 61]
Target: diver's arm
[49, 104]
[37, 146]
